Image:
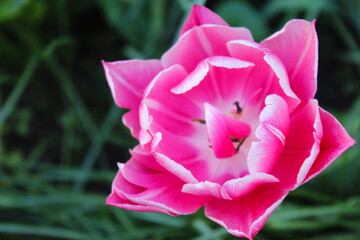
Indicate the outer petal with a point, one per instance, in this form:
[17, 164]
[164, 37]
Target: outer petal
[118, 197]
[115, 200]
[137, 173]
[302, 146]
[200, 43]
[131, 120]
[146, 159]
[199, 16]
[245, 216]
[128, 79]
[335, 141]
[131, 192]
[297, 46]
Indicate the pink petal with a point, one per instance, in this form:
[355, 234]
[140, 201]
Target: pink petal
[168, 199]
[245, 216]
[146, 158]
[180, 157]
[272, 132]
[236, 128]
[175, 147]
[115, 200]
[175, 168]
[121, 188]
[200, 15]
[128, 79]
[157, 199]
[269, 74]
[131, 120]
[142, 176]
[205, 188]
[216, 80]
[219, 136]
[239, 187]
[297, 46]
[335, 141]
[232, 189]
[164, 111]
[301, 145]
[276, 116]
[309, 161]
[144, 138]
[200, 43]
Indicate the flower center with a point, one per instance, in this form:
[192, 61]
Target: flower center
[226, 133]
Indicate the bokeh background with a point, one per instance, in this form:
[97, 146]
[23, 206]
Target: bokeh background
[61, 134]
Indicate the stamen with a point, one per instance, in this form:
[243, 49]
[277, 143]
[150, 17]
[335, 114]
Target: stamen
[199, 120]
[239, 145]
[238, 108]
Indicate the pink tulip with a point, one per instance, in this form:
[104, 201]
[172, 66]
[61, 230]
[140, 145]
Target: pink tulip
[223, 122]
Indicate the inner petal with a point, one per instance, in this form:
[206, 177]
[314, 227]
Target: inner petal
[219, 136]
[217, 80]
[269, 72]
[202, 42]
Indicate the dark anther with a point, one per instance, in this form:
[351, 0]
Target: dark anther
[238, 108]
[199, 120]
[241, 141]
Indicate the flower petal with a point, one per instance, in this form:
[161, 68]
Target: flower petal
[146, 158]
[200, 43]
[219, 136]
[217, 80]
[142, 176]
[131, 120]
[239, 187]
[334, 142]
[205, 188]
[297, 46]
[115, 200]
[175, 168]
[128, 80]
[236, 128]
[121, 188]
[200, 15]
[168, 112]
[269, 73]
[272, 132]
[301, 148]
[245, 216]
[157, 199]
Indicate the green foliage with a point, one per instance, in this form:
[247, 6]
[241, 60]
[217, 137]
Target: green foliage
[238, 13]
[61, 135]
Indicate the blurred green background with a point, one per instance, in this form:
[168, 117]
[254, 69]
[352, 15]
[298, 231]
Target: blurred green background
[61, 134]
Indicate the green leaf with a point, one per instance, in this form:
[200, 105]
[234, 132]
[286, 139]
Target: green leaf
[26, 229]
[10, 9]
